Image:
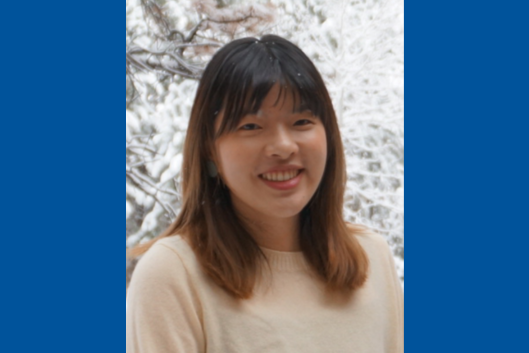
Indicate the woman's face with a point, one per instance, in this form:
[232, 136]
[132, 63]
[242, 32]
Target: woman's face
[274, 161]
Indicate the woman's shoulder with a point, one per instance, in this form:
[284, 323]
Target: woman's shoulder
[377, 249]
[170, 256]
[365, 235]
[177, 244]
[372, 242]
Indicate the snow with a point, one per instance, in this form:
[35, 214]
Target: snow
[358, 46]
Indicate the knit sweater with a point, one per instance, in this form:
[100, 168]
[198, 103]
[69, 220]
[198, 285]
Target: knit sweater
[174, 307]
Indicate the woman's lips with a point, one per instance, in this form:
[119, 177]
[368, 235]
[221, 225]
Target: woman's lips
[286, 184]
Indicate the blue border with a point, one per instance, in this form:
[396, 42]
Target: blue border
[63, 281]
[466, 184]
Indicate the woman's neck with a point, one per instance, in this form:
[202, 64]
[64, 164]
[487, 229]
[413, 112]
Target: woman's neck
[280, 234]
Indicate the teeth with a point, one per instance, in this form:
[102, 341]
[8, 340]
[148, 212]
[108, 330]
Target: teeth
[280, 176]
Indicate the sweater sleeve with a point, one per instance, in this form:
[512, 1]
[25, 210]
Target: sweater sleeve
[398, 297]
[163, 311]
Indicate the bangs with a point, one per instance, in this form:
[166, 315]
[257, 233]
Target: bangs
[247, 76]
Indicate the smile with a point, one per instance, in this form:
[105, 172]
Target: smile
[284, 180]
[281, 176]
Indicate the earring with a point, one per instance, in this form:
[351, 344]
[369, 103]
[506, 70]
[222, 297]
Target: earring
[212, 169]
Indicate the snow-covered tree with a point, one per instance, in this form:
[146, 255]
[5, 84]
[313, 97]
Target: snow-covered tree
[168, 46]
[357, 46]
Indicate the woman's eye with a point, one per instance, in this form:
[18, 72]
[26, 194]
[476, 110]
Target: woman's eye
[248, 127]
[303, 122]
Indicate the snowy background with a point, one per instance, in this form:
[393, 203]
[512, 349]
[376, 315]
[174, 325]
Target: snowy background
[358, 46]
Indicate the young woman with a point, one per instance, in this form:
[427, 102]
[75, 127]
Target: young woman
[260, 258]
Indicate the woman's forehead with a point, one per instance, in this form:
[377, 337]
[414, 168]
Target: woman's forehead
[284, 105]
[278, 98]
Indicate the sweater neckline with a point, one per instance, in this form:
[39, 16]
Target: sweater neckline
[286, 260]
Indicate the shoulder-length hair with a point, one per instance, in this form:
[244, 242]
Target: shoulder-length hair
[235, 82]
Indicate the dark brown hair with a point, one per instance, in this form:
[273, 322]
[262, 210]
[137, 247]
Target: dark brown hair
[236, 81]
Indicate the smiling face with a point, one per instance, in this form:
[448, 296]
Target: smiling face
[274, 161]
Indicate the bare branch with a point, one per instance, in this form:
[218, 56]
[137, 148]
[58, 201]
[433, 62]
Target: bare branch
[233, 20]
[143, 147]
[190, 36]
[131, 172]
[153, 11]
[171, 61]
[168, 209]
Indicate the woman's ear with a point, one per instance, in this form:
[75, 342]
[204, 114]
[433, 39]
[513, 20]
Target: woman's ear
[212, 163]
[212, 169]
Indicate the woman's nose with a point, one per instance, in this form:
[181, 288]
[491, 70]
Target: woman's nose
[281, 144]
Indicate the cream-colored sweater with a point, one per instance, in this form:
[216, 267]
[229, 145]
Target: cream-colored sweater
[174, 308]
